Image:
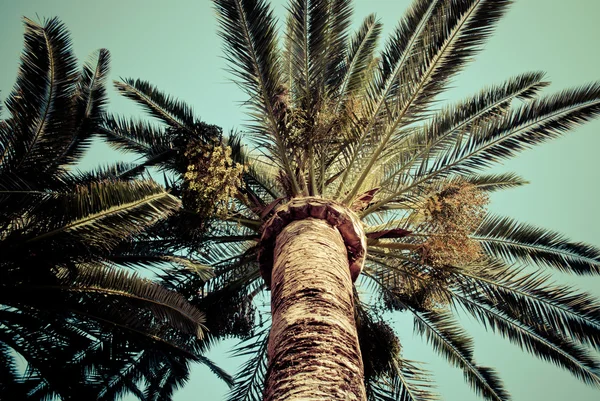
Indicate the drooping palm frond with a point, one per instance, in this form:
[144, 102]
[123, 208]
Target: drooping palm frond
[505, 238]
[407, 382]
[250, 378]
[388, 376]
[542, 342]
[101, 214]
[443, 333]
[100, 281]
[532, 298]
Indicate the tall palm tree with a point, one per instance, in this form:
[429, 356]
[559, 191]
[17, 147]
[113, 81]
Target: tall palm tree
[87, 328]
[361, 183]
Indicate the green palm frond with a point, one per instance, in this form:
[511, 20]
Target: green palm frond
[494, 182]
[532, 299]
[308, 26]
[512, 241]
[113, 171]
[408, 382]
[172, 112]
[131, 258]
[315, 46]
[339, 20]
[528, 125]
[144, 138]
[248, 29]
[464, 25]
[542, 343]
[359, 56]
[169, 306]
[104, 213]
[447, 338]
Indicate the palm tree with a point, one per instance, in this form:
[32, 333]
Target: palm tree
[361, 183]
[64, 300]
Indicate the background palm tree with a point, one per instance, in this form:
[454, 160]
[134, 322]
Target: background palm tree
[64, 299]
[337, 123]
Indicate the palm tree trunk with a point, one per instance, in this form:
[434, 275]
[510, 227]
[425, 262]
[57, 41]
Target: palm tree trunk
[313, 347]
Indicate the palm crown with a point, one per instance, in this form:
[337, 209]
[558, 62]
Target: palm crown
[334, 120]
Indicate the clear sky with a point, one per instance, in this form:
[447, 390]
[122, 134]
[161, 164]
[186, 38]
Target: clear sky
[174, 45]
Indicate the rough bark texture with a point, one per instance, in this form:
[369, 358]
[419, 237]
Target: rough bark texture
[313, 348]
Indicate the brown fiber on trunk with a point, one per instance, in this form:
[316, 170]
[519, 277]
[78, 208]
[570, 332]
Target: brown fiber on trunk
[313, 347]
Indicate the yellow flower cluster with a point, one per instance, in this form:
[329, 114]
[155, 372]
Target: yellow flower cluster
[212, 179]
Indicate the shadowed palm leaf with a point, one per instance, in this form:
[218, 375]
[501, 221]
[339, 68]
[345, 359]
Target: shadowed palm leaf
[62, 301]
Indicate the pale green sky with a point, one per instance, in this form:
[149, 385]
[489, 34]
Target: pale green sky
[174, 45]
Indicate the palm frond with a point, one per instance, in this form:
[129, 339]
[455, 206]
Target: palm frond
[528, 125]
[113, 171]
[251, 376]
[505, 238]
[41, 101]
[408, 382]
[248, 29]
[172, 112]
[143, 138]
[447, 338]
[218, 371]
[542, 343]
[166, 380]
[340, 14]
[90, 103]
[359, 56]
[104, 213]
[494, 182]
[532, 299]
[10, 379]
[307, 26]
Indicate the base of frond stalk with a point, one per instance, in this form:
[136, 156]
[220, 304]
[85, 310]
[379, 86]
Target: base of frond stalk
[313, 347]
